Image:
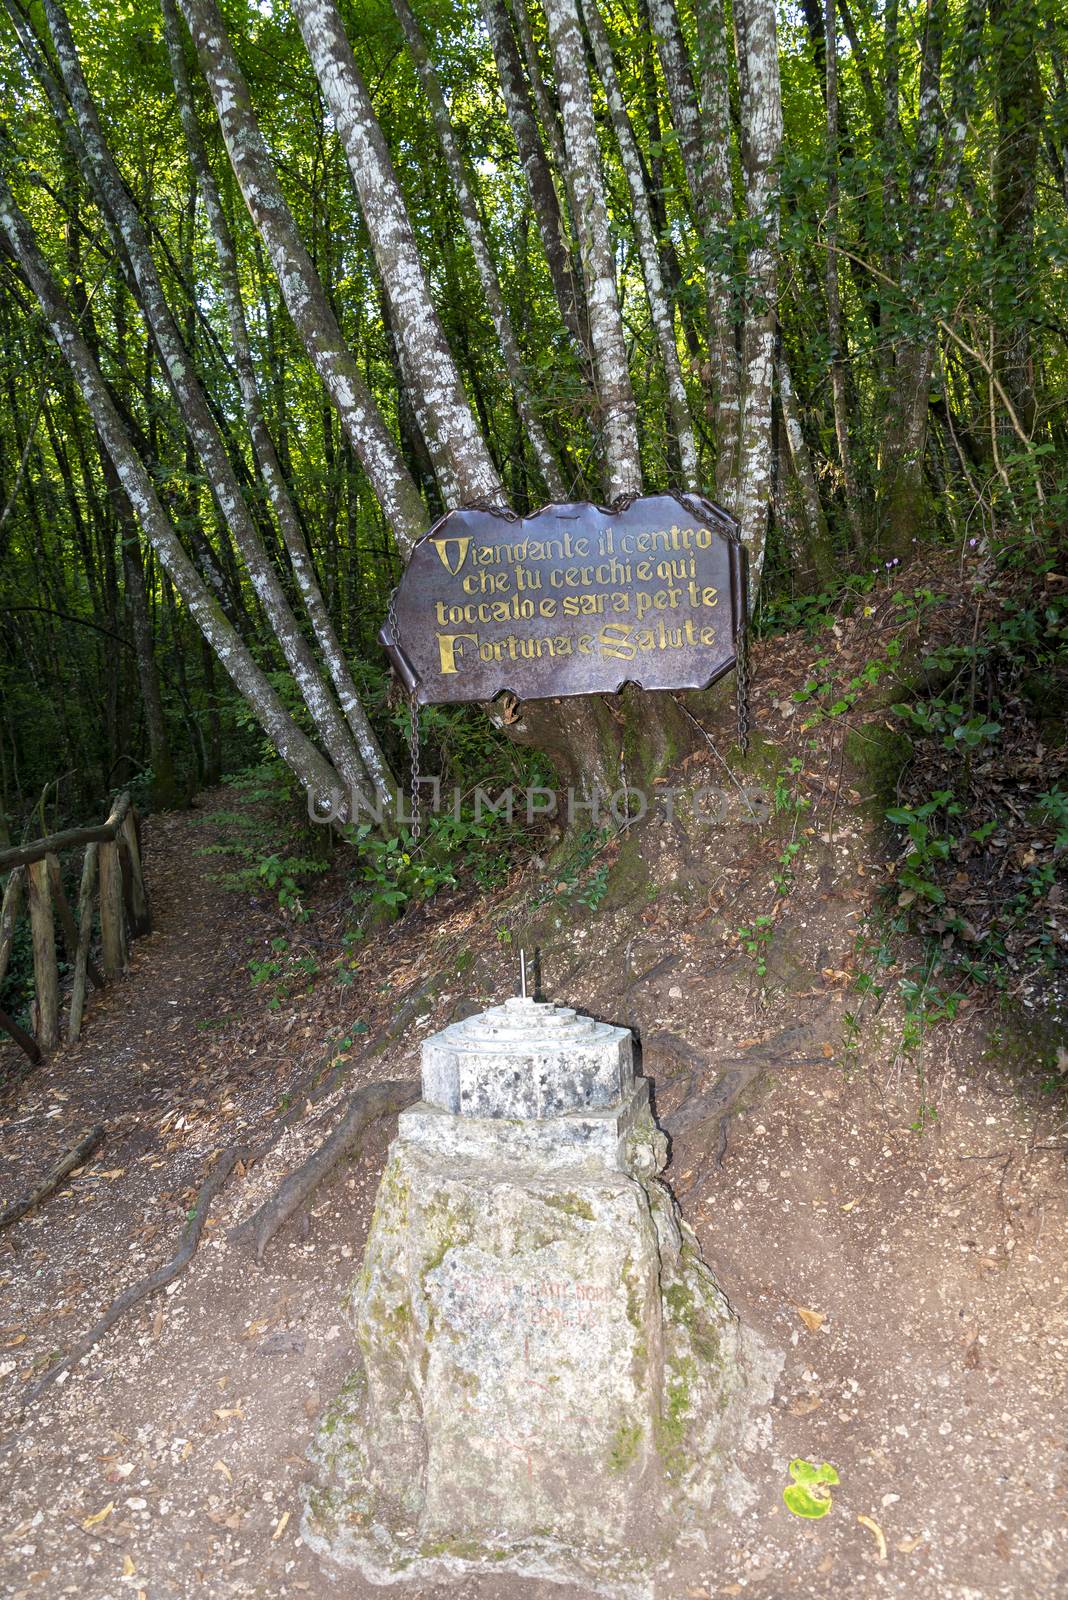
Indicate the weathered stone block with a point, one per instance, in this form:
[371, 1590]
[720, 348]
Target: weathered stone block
[550, 1379]
[526, 1059]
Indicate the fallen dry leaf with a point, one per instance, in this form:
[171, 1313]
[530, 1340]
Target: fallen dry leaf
[128, 1568]
[98, 1516]
[804, 1404]
[280, 1527]
[907, 1546]
[813, 1320]
[877, 1533]
[254, 1329]
[226, 1412]
[220, 1466]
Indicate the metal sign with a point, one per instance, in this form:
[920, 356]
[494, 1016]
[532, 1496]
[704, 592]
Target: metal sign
[576, 599]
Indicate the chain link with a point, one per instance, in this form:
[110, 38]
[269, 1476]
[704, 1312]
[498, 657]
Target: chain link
[413, 728]
[413, 753]
[741, 686]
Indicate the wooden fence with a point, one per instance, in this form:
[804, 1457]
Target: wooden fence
[111, 873]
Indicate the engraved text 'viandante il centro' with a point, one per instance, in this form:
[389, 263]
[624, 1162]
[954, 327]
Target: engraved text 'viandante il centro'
[576, 599]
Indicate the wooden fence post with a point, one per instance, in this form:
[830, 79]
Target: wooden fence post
[45, 969]
[85, 935]
[140, 912]
[112, 911]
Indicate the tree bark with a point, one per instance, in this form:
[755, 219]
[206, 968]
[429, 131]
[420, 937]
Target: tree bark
[835, 332]
[463, 183]
[761, 111]
[1018, 101]
[301, 286]
[543, 198]
[461, 458]
[319, 779]
[374, 764]
[716, 216]
[131, 242]
[648, 247]
[932, 191]
[617, 410]
[819, 555]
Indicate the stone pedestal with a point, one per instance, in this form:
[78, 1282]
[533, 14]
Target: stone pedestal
[551, 1381]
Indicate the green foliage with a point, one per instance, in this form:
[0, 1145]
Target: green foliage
[756, 940]
[285, 972]
[809, 1495]
[577, 879]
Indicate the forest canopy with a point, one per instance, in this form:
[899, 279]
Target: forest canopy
[280, 284]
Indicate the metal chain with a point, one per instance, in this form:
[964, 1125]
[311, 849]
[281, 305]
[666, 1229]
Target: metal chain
[413, 727]
[741, 686]
[413, 752]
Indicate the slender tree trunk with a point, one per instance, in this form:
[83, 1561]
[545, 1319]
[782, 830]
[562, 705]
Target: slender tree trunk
[131, 240]
[464, 185]
[648, 248]
[301, 286]
[835, 331]
[818, 550]
[717, 215]
[932, 191]
[761, 109]
[617, 411]
[295, 748]
[451, 432]
[371, 757]
[1018, 100]
[164, 788]
[543, 198]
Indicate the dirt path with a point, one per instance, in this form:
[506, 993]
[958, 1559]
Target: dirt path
[929, 1366]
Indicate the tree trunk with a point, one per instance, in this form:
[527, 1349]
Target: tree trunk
[818, 552]
[301, 286]
[761, 109]
[648, 248]
[464, 184]
[616, 408]
[835, 332]
[461, 458]
[131, 241]
[543, 199]
[932, 191]
[164, 788]
[295, 748]
[371, 757]
[1018, 100]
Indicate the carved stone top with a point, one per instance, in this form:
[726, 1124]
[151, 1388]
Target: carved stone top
[527, 1060]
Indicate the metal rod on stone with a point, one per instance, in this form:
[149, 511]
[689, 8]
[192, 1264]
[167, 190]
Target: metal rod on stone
[522, 974]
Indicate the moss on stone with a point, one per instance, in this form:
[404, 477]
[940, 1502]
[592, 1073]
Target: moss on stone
[572, 1204]
[626, 1442]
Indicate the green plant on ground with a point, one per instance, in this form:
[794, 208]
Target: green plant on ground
[283, 972]
[756, 939]
[809, 1495]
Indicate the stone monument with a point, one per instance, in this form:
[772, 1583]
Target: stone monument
[550, 1380]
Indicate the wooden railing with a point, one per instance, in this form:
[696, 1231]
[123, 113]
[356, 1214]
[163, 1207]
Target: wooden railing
[112, 862]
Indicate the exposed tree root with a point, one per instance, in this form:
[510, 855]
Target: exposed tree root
[155, 1280]
[74, 1157]
[374, 1100]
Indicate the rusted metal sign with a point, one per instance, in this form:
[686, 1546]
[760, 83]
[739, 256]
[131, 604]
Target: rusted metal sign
[576, 599]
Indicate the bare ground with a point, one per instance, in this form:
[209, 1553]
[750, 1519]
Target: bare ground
[912, 1269]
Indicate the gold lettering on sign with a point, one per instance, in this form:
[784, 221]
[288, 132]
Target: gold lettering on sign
[462, 543]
